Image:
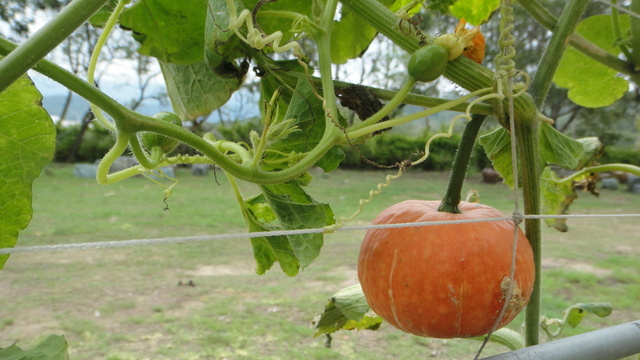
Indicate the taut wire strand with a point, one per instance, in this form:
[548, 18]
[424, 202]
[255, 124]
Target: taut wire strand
[230, 236]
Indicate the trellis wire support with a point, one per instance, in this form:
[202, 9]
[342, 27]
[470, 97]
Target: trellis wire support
[610, 343]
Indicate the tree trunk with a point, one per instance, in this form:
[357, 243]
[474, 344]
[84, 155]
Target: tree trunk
[86, 120]
[65, 108]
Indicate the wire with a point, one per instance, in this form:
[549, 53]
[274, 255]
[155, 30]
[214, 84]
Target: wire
[229, 236]
[620, 8]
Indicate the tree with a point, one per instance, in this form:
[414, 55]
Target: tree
[76, 50]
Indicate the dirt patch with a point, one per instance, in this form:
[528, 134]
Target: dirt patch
[219, 270]
[626, 250]
[567, 264]
[351, 276]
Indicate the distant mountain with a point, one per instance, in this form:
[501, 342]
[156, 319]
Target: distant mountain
[79, 106]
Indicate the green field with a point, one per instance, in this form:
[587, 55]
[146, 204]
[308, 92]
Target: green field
[127, 303]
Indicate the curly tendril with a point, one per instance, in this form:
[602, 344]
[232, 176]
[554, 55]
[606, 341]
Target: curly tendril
[256, 38]
[372, 193]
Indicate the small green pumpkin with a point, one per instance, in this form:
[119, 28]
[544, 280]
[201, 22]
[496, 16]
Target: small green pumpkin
[428, 62]
[150, 139]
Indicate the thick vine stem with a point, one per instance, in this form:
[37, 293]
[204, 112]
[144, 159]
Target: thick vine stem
[527, 139]
[46, 39]
[549, 62]
[322, 36]
[453, 194]
[381, 18]
[527, 135]
[635, 34]
[615, 25]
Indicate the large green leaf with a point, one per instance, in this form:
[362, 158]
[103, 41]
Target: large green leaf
[267, 250]
[27, 144]
[555, 148]
[590, 83]
[54, 347]
[295, 209]
[285, 207]
[195, 90]
[347, 310]
[172, 31]
[475, 12]
[308, 115]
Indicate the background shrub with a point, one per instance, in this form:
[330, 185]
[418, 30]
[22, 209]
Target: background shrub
[389, 149]
[95, 143]
[620, 155]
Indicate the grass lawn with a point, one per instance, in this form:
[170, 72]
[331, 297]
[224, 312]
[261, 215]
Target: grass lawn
[136, 302]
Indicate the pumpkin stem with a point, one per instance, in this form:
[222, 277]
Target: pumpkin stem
[453, 194]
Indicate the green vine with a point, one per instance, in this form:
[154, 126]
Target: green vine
[453, 193]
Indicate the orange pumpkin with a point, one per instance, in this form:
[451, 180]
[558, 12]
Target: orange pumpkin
[444, 281]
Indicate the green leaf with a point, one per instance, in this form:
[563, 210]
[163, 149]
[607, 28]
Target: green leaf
[475, 12]
[295, 209]
[285, 207]
[268, 250]
[100, 18]
[590, 83]
[347, 310]
[27, 144]
[557, 148]
[195, 90]
[270, 83]
[308, 114]
[351, 302]
[497, 145]
[172, 31]
[557, 197]
[506, 337]
[576, 313]
[54, 347]
[352, 35]
[592, 149]
[220, 43]
[270, 24]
